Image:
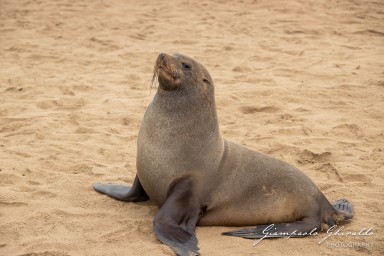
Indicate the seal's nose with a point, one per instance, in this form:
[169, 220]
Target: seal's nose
[162, 56]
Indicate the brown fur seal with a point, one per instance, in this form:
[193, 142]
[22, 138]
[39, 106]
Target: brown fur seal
[197, 178]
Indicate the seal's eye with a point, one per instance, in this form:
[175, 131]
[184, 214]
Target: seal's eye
[186, 66]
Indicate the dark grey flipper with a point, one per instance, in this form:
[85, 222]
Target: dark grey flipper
[123, 193]
[175, 223]
[344, 207]
[302, 228]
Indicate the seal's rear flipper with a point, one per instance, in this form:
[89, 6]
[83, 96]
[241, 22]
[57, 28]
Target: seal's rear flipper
[175, 223]
[297, 229]
[344, 208]
[123, 193]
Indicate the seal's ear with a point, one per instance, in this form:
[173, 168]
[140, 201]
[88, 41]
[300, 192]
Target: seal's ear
[175, 223]
[205, 80]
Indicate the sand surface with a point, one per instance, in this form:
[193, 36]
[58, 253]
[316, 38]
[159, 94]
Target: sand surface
[300, 80]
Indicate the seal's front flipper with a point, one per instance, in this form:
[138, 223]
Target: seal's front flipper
[123, 193]
[175, 223]
[344, 208]
[296, 229]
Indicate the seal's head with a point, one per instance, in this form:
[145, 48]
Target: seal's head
[180, 72]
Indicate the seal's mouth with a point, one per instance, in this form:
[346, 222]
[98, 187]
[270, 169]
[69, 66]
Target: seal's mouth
[167, 73]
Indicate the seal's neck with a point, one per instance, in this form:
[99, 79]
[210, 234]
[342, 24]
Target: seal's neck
[185, 125]
[192, 111]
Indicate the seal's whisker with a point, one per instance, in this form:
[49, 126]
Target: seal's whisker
[154, 79]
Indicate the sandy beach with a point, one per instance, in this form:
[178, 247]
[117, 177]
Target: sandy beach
[302, 81]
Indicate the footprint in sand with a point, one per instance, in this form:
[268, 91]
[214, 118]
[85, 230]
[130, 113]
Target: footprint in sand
[43, 194]
[330, 172]
[348, 130]
[252, 110]
[307, 156]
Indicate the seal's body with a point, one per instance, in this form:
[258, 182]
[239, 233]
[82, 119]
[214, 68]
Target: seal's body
[177, 136]
[197, 178]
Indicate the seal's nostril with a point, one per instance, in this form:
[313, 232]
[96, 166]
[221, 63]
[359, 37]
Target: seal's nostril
[162, 55]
